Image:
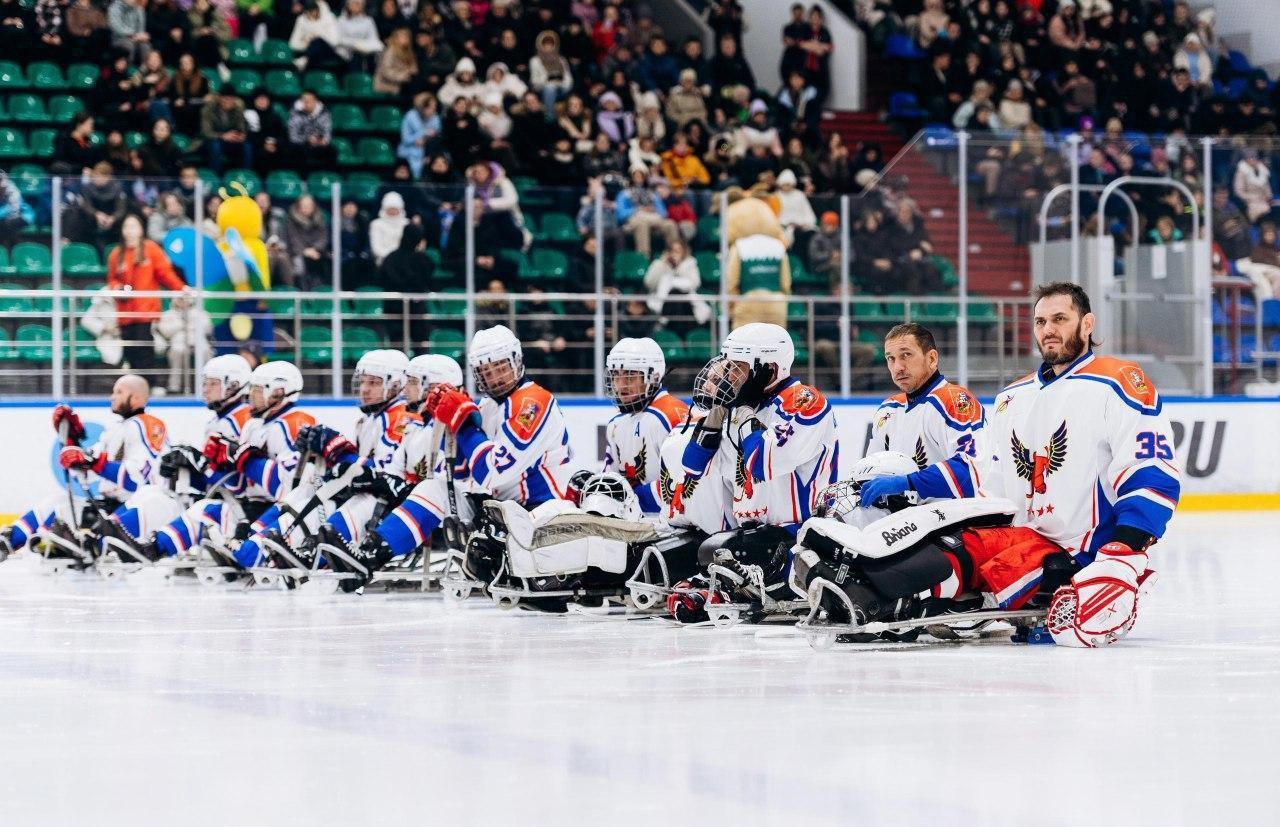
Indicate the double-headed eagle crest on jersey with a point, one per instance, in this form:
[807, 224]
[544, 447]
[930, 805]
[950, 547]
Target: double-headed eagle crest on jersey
[1035, 467]
[673, 495]
[634, 472]
[921, 459]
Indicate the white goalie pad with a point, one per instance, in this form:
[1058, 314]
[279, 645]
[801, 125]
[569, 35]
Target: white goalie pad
[902, 530]
[560, 539]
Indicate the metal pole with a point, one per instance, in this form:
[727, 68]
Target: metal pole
[1205, 288]
[598, 343]
[200, 346]
[469, 236]
[56, 194]
[845, 326]
[724, 264]
[962, 320]
[335, 324]
[1074, 141]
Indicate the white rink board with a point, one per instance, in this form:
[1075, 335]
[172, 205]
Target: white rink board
[1227, 445]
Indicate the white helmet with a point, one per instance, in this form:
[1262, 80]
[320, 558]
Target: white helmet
[233, 371]
[609, 495]
[842, 501]
[434, 369]
[387, 365]
[635, 355]
[766, 350]
[492, 345]
[282, 377]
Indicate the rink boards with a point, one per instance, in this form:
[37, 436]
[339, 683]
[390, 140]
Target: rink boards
[1228, 446]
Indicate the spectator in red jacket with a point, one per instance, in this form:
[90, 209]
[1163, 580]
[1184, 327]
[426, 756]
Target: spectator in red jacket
[139, 264]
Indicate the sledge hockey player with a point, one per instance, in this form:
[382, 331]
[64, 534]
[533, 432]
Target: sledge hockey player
[123, 459]
[751, 470]
[262, 464]
[932, 421]
[647, 413]
[377, 384]
[513, 446]
[415, 451]
[1083, 449]
[184, 471]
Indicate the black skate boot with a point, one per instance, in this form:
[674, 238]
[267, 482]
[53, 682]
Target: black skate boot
[7, 546]
[361, 562]
[278, 552]
[128, 548]
[61, 541]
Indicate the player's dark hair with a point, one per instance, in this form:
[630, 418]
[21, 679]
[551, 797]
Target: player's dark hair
[1079, 298]
[922, 335]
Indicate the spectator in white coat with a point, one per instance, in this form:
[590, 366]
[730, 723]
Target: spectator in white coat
[358, 41]
[1252, 185]
[796, 212]
[461, 84]
[315, 37]
[675, 272]
[549, 73]
[387, 229]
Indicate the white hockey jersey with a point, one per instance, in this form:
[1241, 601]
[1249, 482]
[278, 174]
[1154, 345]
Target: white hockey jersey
[412, 457]
[378, 436]
[776, 475]
[523, 453]
[228, 425]
[1083, 453]
[633, 445]
[270, 477]
[133, 448]
[940, 427]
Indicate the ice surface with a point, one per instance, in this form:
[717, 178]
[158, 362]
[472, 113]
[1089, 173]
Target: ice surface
[141, 702]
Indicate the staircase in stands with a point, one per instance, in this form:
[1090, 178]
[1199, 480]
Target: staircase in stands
[998, 266]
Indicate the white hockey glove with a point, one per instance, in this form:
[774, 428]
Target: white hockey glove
[1101, 603]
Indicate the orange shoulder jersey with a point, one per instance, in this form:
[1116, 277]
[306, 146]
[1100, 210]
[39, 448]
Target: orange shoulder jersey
[633, 445]
[269, 477]
[132, 448]
[378, 435]
[1083, 453]
[522, 452]
[939, 427]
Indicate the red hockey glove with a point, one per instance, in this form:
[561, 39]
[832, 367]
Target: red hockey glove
[75, 428]
[337, 448]
[73, 457]
[218, 451]
[449, 405]
[1100, 605]
[688, 604]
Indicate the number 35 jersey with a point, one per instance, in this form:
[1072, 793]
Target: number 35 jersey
[1084, 452]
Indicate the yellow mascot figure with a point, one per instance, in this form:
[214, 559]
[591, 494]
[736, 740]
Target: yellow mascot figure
[240, 243]
[757, 268]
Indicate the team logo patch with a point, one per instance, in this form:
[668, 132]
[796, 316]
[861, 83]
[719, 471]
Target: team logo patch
[1035, 467]
[882, 418]
[1004, 403]
[1136, 380]
[963, 404]
[527, 417]
[803, 400]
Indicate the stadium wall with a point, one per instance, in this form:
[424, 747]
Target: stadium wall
[762, 46]
[1226, 444]
[1238, 24]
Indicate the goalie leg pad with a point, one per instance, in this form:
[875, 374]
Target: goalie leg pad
[908, 573]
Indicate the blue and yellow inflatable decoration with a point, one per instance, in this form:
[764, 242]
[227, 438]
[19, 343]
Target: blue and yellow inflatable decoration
[235, 262]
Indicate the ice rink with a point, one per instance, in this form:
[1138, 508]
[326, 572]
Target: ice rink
[141, 702]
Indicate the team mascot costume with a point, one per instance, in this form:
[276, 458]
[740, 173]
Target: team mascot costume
[234, 262]
[757, 266]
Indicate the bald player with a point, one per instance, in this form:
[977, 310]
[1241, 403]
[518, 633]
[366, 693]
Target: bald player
[122, 460]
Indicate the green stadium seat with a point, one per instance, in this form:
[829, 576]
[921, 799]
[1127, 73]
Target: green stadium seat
[283, 83]
[545, 263]
[936, 312]
[31, 258]
[320, 304]
[320, 184]
[364, 307]
[284, 185]
[182, 142]
[362, 186]
[670, 343]
[281, 308]
[4, 113]
[557, 228]
[698, 345]
[80, 259]
[276, 53]
[134, 140]
[383, 118]
[34, 343]
[452, 343]
[946, 271]
[29, 179]
[244, 81]
[46, 76]
[82, 304]
[240, 52]
[358, 340]
[42, 142]
[12, 76]
[347, 117]
[214, 79]
[376, 152]
[247, 178]
[85, 347]
[44, 303]
[708, 268]
[7, 353]
[323, 83]
[27, 108]
[6, 268]
[10, 303]
[359, 85]
[346, 153]
[709, 230]
[983, 313]
[799, 338]
[629, 268]
[453, 308]
[62, 108]
[211, 180]
[316, 345]
[82, 76]
[864, 312]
